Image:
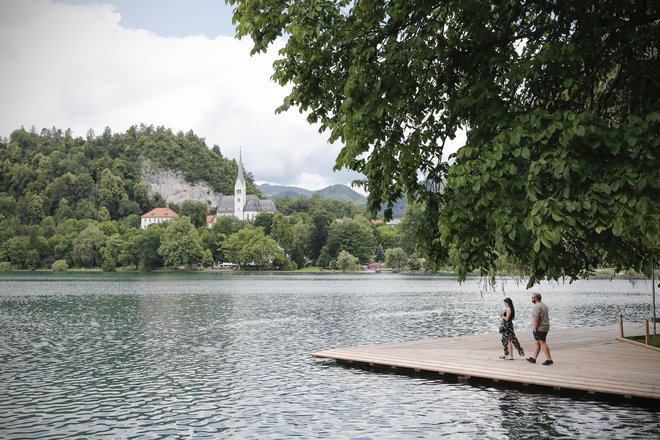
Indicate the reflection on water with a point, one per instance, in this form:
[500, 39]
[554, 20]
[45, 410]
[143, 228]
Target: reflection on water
[227, 355]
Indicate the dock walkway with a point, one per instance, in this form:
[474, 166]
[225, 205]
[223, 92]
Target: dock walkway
[589, 360]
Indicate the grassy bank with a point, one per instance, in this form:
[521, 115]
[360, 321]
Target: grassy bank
[652, 341]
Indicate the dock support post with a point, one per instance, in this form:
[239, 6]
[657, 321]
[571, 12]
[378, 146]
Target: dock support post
[653, 289]
[620, 325]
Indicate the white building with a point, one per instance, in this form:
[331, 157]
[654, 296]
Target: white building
[157, 215]
[241, 205]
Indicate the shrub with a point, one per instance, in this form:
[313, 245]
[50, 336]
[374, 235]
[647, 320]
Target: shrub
[60, 266]
[347, 262]
[5, 266]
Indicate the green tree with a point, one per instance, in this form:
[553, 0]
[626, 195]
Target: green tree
[103, 214]
[211, 240]
[227, 225]
[388, 236]
[411, 227]
[127, 207]
[560, 103]
[141, 197]
[396, 258]
[196, 211]
[180, 243]
[380, 253]
[322, 221]
[264, 220]
[112, 253]
[251, 246]
[60, 266]
[282, 232]
[300, 243]
[352, 235]
[87, 247]
[63, 210]
[130, 255]
[7, 205]
[17, 250]
[148, 243]
[31, 208]
[84, 188]
[111, 192]
[207, 258]
[214, 238]
[48, 227]
[61, 246]
[347, 262]
[85, 209]
[61, 187]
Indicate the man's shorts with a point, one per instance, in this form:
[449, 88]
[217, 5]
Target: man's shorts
[540, 336]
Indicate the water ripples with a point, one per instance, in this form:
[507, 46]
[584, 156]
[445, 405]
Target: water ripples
[181, 356]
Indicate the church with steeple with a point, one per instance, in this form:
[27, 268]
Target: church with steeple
[241, 205]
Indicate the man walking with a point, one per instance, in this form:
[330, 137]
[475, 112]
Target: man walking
[540, 327]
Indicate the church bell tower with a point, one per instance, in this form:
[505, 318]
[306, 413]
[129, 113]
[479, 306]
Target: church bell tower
[240, 188]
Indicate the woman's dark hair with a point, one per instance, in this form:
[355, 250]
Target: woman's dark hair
[513, 311]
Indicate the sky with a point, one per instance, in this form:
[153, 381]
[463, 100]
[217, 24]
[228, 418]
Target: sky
[83, 64]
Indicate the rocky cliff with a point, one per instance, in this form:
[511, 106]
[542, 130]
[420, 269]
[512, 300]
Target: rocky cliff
[174, 188]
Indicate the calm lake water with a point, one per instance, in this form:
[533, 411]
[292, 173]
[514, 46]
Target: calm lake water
[226, 355]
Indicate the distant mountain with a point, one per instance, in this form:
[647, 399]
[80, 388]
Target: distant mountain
[342, 192]
[399, 207]
[280, 191]
[334, 192]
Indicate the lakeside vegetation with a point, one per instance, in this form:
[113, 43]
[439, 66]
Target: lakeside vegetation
[70, 202]
[73, 203]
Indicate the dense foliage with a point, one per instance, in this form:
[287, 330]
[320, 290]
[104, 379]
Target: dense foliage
[72, 202]
[560, 102]
[52, 173]
[79, 199]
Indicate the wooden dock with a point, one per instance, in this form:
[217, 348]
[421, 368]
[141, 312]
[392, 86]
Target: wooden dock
[588, 361]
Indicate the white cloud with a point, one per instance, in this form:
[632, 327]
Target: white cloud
[75, 66]
[452, 145]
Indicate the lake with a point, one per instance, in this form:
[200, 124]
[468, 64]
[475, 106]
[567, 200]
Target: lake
[227, 355]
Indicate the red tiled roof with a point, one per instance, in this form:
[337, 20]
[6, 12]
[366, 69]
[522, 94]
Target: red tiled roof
[160, 213]
[210, 218]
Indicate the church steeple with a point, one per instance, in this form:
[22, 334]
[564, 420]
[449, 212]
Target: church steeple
[240, 190]
[241, 175]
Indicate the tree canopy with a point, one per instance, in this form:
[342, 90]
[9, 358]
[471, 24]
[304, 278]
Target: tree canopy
[250, 246]
[559, 102]
[180, 243]
[354, 235]
[78, 200]
[347, 262]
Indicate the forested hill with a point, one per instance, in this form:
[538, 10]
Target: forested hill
[52, 173]
[334, 192]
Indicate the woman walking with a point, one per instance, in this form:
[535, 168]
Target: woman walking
[509, 339]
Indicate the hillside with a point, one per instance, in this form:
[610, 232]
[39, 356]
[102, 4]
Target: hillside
[280, 191]
[52, 173]
[342, 192]
[334, 192]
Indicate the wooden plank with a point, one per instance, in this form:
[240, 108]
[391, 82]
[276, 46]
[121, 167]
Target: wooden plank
[586, 359]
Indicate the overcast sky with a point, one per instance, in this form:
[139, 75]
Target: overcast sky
[90, 64]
